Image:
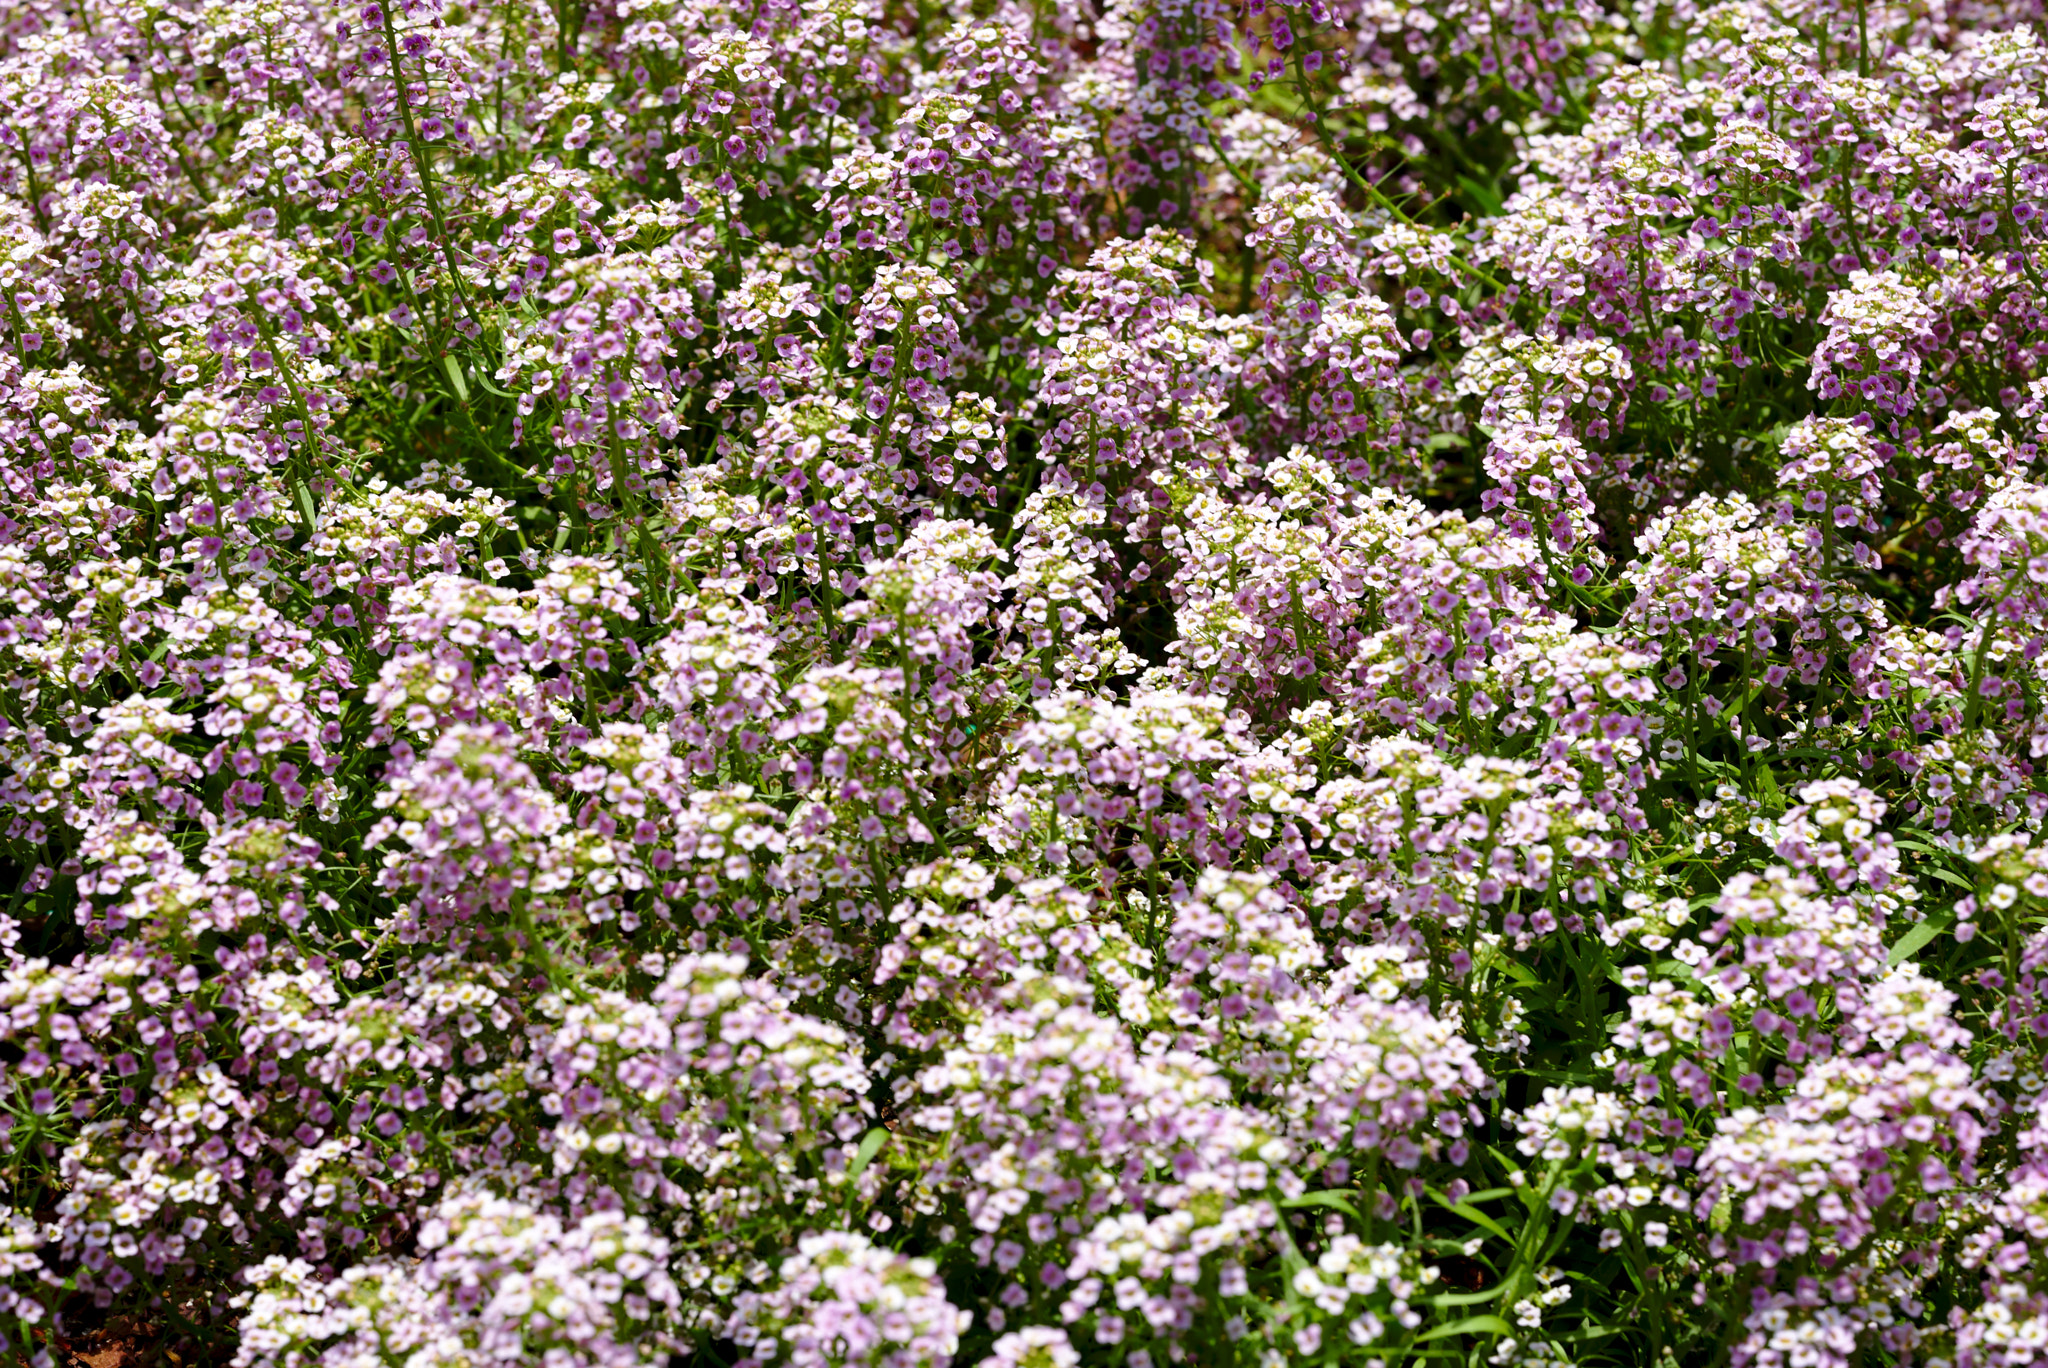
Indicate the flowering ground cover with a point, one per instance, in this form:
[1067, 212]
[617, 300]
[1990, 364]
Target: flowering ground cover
[1024, 683]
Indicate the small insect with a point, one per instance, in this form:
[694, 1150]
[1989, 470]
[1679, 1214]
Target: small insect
[984, 742]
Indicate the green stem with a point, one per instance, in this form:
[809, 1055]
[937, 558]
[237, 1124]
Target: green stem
[1974, 704]
[419, 158]
[1372, 191]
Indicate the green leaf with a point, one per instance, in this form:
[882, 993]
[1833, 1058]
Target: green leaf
[454, 370]
[1517, 971]
[1484, 196]
[1471, 1325]
[1290, 1255]
[1329, 1197]
[1474, 1215]
[482, 378]
[870, 1145]
[1489, 1195]
[1911, 943]
[1444, 1299]
[1568, 1075]
[1609, 1272]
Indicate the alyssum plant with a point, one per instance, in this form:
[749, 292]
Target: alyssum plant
[1026, 683]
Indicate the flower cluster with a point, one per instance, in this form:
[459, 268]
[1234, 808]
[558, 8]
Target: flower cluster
[840, 1300]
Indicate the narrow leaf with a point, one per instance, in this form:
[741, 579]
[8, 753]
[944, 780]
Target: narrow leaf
[1471, 1325]
[1328, 1198]
[1916, 939]
[870, 1145]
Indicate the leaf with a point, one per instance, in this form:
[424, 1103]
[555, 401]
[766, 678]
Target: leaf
[1484, 196]
[1489, 1195]
[1914, 940]
[1473, 1214]
[1480, 1219]
[1557, 1239]
[483, 379]
[454, 370]
[1772, 795]
[1290, 1254]
[870, 1145]
[1329, 1197]
[1471, 1325]
[1444, 1299]
[1608, 1273]
[1519, 972]
[1948, 876]
[1512, 1168]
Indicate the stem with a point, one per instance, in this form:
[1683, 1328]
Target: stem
[419, 158]
[1973, 705]
[1373, 192]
